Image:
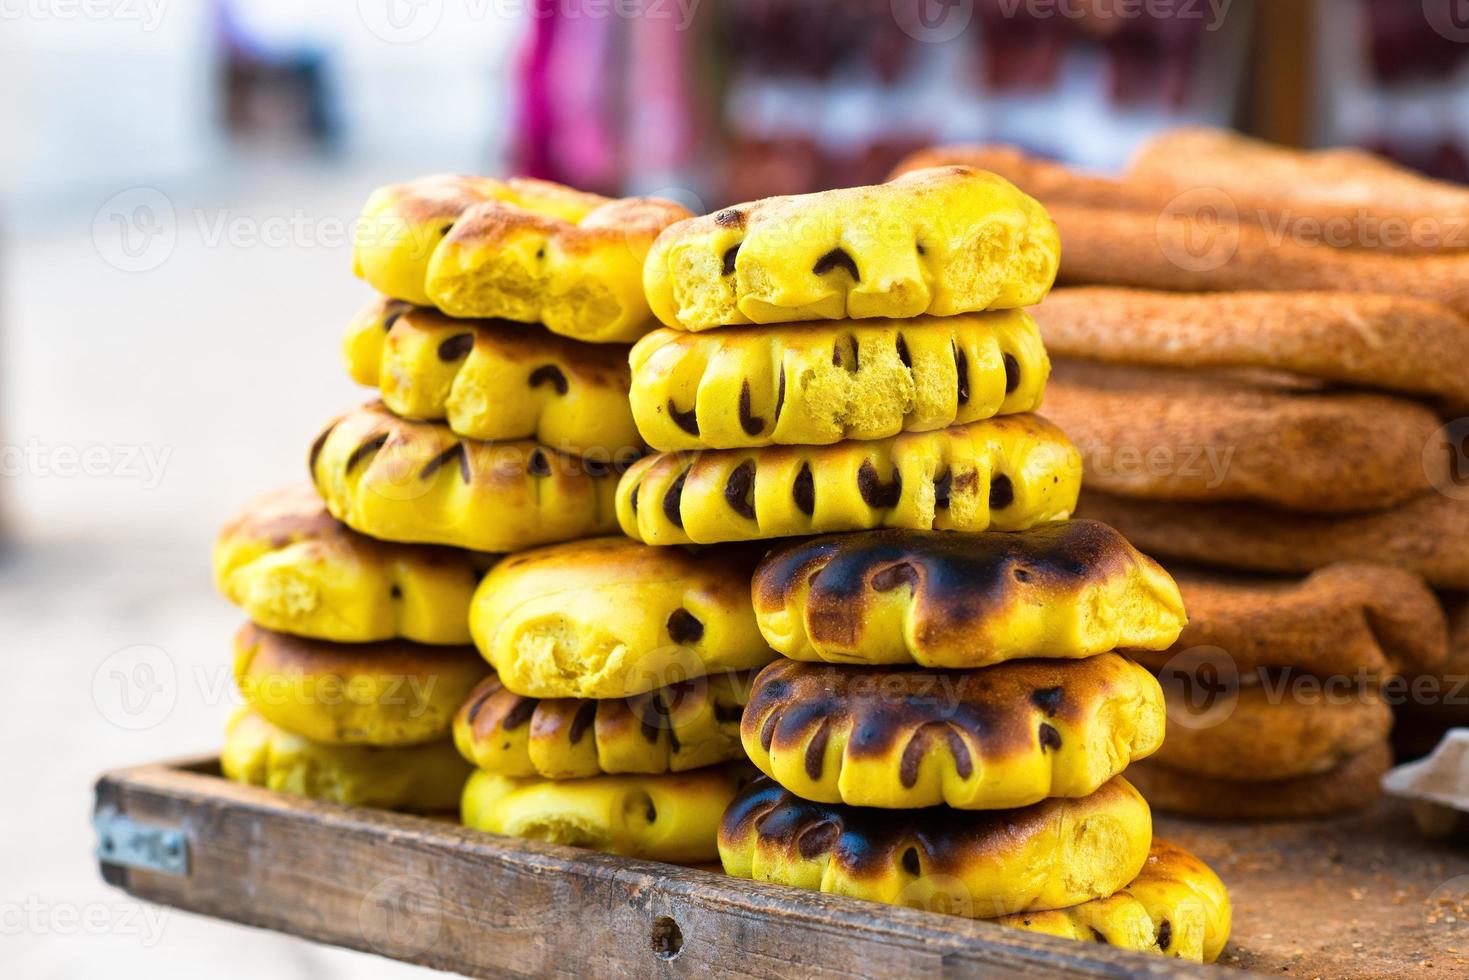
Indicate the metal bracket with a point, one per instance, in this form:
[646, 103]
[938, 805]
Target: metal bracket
[123, 840]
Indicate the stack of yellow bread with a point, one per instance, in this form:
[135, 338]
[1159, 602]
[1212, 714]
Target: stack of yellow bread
[950, 722]
[1256, 358]
[493, 433]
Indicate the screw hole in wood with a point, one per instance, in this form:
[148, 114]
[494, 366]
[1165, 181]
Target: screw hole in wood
[667, 938]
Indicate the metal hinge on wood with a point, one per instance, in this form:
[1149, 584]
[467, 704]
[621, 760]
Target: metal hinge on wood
[123, 840]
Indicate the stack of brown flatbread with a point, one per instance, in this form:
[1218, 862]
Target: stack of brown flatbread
[1261, 356]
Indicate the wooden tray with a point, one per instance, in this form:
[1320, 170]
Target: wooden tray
[1354, 897]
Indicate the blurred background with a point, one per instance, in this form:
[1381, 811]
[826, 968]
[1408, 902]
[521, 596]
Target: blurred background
[178, 185]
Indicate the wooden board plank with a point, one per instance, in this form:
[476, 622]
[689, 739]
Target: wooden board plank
[434, 893]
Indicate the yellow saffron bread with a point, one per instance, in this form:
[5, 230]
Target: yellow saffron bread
[1005, 736]
[402, 480]
[611, 618]
[1176, 907]
[816, 385]
[671, 817]
[294, 568]
[942, 241]
[521, 249]
[938, 599]
[673, 729]
[1005, 473]
[426, 778]
[979, 864]
[494, 379]
[388, 693]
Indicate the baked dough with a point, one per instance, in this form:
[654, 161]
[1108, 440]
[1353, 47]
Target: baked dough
[294, 568]
[521, 249]
[401, 480]
[1353, 785]
[1005, 736]
[1424, 536]
[610, 618]
[1162, 434]
[419, 778]
[1007, 473]
[683, 726]
[942, 241]
[1349, 619]
[389, 693]
[1275, 729]
[493, 379]
[1049, 855]
[672, 817]
[1388, 343]
[1175, 907]
[1065, 589]
[816, 385]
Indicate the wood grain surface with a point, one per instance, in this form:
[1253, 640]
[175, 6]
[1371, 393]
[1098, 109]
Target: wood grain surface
[1354, 897]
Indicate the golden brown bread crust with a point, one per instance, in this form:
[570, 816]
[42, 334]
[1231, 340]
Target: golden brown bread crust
[1425, 535]
[1340, 620]
[1162, 434]
[1192, 252]
[1395, 343]
[1349, 198]
[1071, 588]
[673, 729]
[1350, 786]
[403, 480]
[1005, 736]
[1377, 203]
[981, 864]
[389, 693]
[1280, 725]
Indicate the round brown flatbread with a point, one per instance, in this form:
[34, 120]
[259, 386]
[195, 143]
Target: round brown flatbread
[1425, 535]
[1344, 619]
[1350, 786]
[1162, 434]
[1392, 343]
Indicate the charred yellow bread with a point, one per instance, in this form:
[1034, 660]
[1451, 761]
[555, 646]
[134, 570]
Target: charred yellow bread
[494, 379]
[424, 778]
[525, 250]
[401, 480]
[816, 385]
[294, 568]
[610, 618]
[1354, 784]
[1006, 736]
[388, 693]
[683, 726]
[672, 817]
[1006, 473]
[943, 241]
[980, 864]
[1176, 907]
[1066, 589]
